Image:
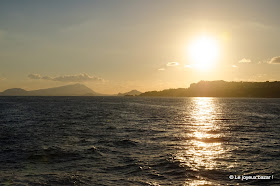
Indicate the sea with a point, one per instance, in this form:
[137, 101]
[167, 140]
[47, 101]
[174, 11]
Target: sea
[139, 141]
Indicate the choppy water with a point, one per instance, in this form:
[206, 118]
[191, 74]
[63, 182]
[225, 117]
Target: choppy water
[138, 141]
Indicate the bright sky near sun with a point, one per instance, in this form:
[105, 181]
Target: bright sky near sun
[116, 46]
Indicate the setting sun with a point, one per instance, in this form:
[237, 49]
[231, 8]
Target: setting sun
[203, 52]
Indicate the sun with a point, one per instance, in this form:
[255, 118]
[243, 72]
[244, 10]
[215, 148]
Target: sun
[203, 52]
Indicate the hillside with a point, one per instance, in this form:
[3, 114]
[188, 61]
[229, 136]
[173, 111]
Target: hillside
[222, 89]
[14, 92]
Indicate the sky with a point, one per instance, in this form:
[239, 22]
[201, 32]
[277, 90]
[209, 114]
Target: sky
[116, 46]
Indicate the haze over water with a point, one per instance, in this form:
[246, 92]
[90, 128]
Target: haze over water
[138, 141]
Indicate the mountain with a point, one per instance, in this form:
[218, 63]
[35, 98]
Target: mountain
[130, 93]
[67, 90]
[14, 92]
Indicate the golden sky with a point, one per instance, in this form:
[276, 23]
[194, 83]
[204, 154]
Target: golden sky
[116, 46]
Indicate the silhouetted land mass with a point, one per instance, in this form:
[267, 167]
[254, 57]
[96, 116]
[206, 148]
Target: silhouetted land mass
[223, 89]
[68, 90]
[130, 93]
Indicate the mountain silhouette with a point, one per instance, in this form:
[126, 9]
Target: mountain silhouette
[222, 88]
[14, 92]
[130, 93]
[67, 90]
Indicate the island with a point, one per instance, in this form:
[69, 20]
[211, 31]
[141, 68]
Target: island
[67, 90]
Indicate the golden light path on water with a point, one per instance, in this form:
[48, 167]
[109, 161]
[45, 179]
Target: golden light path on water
[204, 144]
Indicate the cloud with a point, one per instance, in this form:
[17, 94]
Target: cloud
[35, 76]
[244, 60]
[67, 78]
[2, 79]
[172, 64]
[234, 66]
[77, 78]
[275, 60]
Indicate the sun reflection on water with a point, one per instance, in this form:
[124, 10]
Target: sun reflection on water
[204, 144]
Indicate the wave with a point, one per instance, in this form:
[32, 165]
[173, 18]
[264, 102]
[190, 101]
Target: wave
[125, 143]
[53, 155]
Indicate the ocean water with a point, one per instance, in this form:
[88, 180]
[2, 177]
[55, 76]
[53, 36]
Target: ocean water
[139, 141]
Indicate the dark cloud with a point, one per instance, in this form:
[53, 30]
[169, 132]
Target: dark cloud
[67, 78]
[275, 60]
[34, 76]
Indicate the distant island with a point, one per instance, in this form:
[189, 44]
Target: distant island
[223, 89]
[68, 90]
[130, 93]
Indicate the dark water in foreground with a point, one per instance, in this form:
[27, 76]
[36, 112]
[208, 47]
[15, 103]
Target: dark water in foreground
[138, 141]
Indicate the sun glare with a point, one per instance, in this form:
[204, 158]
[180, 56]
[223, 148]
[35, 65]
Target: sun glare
[203, 52]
